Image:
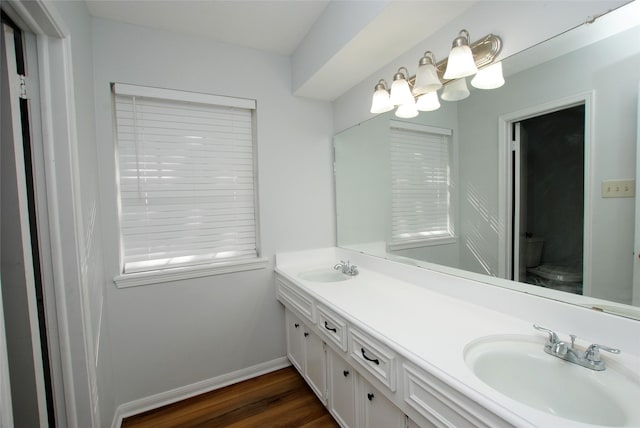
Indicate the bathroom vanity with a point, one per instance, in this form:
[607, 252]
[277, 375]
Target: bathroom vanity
[394, 346]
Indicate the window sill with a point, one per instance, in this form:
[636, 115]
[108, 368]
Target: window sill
[422, 243]
[188, 272]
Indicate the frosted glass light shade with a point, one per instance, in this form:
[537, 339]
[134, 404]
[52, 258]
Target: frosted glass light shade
[460, 63]
[380, 102]
[489, 77]
[455, 91]
[428, 102]
[426, 80]
[400, 92]
[407, 111]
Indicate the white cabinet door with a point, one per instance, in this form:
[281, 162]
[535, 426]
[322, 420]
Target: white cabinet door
[315, 363]
[341, 378]
[376, 411]
[305, 350]
[295, 342]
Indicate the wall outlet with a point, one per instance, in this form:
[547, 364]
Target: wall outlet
[618, 189]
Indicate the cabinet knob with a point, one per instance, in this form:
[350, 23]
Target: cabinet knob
[370, 396]
[296, 325]
[345, 373]
[306, 334]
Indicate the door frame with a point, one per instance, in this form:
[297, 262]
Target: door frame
[73, 357]
[505, 183]
[635, 296]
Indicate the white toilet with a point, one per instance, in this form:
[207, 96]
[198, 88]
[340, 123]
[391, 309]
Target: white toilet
[561, 277]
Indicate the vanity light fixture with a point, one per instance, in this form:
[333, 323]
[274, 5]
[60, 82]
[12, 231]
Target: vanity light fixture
[419, 92]
[489, 77]
[381, 102]
[428, 102]
[456, 90]
[461, 63]
[400, 91]
[427, 79]
[407, 111]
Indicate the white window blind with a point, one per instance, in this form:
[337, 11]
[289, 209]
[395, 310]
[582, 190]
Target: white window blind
[420, 188]
[186, 178]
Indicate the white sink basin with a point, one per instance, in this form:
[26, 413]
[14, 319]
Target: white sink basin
[518, 367]
[324, 275]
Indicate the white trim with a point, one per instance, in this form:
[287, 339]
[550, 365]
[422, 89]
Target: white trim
[429, 242]
[48, 140]
[635, 293]
[41, 17]
[505, 171]
[175, 95]
[182, 393]
[419, 127]
[187, 272]
[516, 206]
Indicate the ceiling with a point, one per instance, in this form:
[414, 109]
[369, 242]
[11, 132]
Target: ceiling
[271, 26]
[357, 37]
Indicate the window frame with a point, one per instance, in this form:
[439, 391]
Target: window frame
[175, 273]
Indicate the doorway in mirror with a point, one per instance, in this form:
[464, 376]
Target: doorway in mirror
[548, 199]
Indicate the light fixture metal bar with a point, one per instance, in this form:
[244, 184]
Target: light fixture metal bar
[484, 52]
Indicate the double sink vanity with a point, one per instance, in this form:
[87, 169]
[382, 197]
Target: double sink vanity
[390, 345]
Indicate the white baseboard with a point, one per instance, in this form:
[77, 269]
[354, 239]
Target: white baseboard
[168, 397]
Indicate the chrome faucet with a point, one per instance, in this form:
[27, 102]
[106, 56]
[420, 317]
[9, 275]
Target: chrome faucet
[347, 268]
[590, 358]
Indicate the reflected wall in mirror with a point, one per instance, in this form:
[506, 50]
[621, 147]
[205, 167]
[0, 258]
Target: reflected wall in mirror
[586, 256]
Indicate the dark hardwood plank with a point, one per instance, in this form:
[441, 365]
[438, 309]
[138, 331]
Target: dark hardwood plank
[278, 399]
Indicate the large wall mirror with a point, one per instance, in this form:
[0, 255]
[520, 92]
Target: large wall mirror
[529, 186]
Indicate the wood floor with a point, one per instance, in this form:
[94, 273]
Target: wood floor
[278, 399]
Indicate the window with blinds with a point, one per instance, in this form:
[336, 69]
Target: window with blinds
[186, 178]
[421, 211]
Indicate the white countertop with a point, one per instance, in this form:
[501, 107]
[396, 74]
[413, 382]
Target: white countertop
[429, 328]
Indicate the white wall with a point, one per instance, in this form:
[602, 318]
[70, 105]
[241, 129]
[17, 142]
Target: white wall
[174, 334]
[78, 21]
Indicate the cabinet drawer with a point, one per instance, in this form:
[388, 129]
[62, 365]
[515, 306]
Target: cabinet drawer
[376, 358]
[332, 326]
[296, 299]
[442, 405]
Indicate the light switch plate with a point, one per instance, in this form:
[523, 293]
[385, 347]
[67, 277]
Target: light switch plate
[618, 189]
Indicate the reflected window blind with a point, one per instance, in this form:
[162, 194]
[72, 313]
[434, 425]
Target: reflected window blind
[420, 188]
[186, 178]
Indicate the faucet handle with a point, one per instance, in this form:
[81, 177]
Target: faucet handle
[553, 337]
[593, 352]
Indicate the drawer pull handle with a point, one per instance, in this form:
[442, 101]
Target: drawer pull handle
[306, 334]
[345, 373]
[370, 396]
[296, 325]
[364, 355]
[333, 329]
